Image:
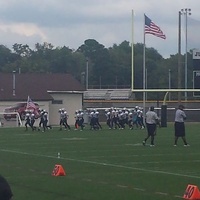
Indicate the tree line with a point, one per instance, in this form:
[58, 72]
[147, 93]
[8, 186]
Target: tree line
[107, 67]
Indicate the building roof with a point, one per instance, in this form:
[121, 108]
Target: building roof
[17, 87]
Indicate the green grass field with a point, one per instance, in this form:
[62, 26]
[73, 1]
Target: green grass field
[99, 165]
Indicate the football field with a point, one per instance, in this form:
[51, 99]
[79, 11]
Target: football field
[99, 165]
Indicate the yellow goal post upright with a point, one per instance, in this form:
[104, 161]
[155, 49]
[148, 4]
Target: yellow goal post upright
[164, 106]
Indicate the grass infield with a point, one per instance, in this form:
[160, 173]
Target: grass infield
[99, 165]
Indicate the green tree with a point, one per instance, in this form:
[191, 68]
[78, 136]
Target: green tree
[7, 59]
[108, 67]
[121, 64]
[22, 50]
[99, 61]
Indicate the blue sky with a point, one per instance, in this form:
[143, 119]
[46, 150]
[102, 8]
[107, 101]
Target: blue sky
[71, 22]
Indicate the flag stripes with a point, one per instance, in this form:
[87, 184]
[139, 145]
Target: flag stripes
[151, 28]
[30, 104]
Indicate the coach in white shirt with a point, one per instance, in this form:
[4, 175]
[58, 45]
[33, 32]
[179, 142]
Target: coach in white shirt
[151, 123]
[179, 125]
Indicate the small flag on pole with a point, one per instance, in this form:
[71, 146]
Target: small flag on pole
[151, 28]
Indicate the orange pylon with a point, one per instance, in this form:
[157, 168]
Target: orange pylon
[58, 171]
[192, 193]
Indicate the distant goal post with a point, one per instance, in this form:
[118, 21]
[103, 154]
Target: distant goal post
[165, 90]
[195, 91]
[10, 119]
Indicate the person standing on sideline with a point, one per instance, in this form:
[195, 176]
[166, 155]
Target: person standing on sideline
[5, 190]
[179, 125]
[151, 123]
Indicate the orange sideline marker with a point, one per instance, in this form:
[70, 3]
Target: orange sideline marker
[58, 171]
[192, 193]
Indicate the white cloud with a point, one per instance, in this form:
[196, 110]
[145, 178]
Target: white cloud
[23, 29]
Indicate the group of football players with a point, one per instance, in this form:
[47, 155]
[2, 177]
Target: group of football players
[116, 118]
[30, 118]
[63, 119]
[94, 119]
[79, 119]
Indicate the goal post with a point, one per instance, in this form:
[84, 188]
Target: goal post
[165, 90]
[10, 119]
[164, 106]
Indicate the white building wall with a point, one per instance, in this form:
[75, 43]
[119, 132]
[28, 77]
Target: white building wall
[70, 101]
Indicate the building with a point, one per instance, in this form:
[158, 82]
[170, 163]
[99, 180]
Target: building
[50, 91]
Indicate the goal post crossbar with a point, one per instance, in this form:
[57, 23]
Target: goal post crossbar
[165, 90]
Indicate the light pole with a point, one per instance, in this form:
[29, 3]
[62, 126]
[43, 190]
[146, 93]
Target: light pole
[186, 12]
[14, 83]
[179, 56]
[87, 74]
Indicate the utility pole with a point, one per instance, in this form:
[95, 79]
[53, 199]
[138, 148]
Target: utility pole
[87, 73]
[14, 83]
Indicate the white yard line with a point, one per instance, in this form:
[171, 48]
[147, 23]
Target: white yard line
[104, 164]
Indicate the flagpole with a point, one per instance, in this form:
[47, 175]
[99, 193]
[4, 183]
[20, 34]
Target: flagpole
[132, 52]
[27, 100]
[144, 75]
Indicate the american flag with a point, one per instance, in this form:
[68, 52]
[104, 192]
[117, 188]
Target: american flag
[30, 104]
[151, 28]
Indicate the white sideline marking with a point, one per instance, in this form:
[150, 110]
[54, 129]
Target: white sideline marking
[74, 138]
[139, 189]
[162, 193]
[122, 186]
[177, 196]
[137, 144]
[104, 164]
[159, 162]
